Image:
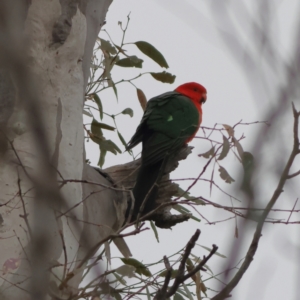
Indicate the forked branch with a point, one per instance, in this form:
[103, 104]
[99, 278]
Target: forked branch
[165, 292]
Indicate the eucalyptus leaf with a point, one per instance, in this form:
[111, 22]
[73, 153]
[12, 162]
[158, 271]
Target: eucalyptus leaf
[209, 153]
[128, 111]
[225, 148]
[229, 130]
[85, 112]
[120, 279]
[99, 104]
[110, 146]
[183, 210]
[142, 98]
[130, 62]
[102, 158]
[97, 134]
[102, 125]
[126, 270]
[152, 52]
[164, 77]
[225, 176]
[239, 147]
[190, 296]
[107, 46]
[140, 268]
[154, 230]
[178, 297]
[181, 193]
[114, 88]
[122, 139]
[210, 249]
[174, 273]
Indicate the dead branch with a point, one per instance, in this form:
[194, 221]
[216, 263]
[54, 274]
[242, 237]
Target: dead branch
[124, 177]
[256, 237]
[164, 292]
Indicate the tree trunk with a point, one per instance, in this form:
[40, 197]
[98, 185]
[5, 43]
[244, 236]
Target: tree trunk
[46, 49]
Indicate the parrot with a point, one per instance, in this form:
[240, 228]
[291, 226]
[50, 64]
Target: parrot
[170, 121]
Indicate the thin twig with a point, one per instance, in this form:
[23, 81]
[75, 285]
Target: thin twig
[256, 237]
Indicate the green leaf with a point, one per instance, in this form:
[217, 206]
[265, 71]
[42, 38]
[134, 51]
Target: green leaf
[102, 125]
[152, 52]
[127, 111]
[102, 158]
[108, 145]
[190, 296]
[174, 273]
[99, 104]
[178, 297]
[239, 147]
[140, 268]
[121, 139]
[181, 193]
[107, 46]
[120, 279]
[87, 113]
[183, 210]
[132, 262]
[104, 146]
[126, 270]
[116, 295]
[225, 176]
[209, 250]
[209, 153]
[225, 148]
[164, 77]
[97, 134]
[130, 62]
[142, 98]
[112, 84]
[154, 230]
[114, 88]
[229, 130]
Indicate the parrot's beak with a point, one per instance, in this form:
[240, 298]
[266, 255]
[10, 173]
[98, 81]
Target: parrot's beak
[203, 99]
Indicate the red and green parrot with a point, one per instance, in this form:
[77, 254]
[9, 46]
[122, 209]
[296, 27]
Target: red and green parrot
[170, 121]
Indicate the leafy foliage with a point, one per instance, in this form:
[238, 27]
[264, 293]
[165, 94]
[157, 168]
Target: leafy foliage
[114, 54]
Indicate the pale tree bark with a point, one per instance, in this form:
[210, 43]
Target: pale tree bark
[45, 55]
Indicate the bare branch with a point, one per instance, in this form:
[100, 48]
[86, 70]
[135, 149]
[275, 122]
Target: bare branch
[164, 293]
[256, 237]
[293, 175]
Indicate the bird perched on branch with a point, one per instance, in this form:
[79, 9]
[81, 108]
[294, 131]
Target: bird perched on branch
[170, 121]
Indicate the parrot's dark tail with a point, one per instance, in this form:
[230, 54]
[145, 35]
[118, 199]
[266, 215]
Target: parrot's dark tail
[146, 188]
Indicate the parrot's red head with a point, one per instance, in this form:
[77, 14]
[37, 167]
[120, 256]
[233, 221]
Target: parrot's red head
[195, 91]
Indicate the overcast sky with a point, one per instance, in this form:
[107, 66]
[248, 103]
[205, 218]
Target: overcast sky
[202, 41]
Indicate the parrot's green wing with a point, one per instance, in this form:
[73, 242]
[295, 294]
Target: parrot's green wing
[169, 120]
